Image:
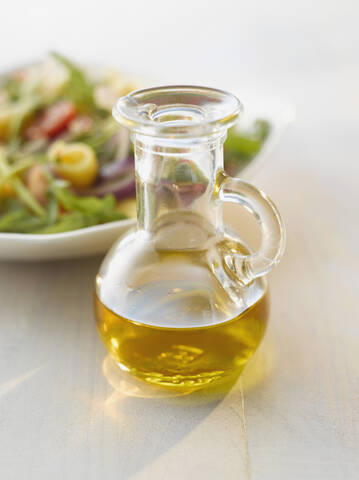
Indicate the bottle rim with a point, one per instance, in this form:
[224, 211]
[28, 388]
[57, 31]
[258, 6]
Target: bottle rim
[178, 111]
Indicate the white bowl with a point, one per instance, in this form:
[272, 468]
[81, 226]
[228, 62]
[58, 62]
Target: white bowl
[55, 246]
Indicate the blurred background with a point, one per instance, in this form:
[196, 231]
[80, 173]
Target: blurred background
[301, 416]
[287, 47]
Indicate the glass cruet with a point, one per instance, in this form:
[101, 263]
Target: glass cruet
[181, 301]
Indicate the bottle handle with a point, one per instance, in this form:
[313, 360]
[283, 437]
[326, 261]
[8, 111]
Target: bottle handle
[257, 264]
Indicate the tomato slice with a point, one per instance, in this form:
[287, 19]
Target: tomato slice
[52, 121]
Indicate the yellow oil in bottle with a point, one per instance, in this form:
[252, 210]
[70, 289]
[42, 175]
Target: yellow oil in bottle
[179, 326]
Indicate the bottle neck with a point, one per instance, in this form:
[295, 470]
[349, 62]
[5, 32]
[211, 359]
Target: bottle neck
[175, 180]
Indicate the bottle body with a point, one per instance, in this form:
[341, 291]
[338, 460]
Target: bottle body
[177, 317]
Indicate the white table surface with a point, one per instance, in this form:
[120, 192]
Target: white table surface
[294, 414]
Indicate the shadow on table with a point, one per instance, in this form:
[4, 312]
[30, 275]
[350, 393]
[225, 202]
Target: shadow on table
[154, 419]
[162, 418]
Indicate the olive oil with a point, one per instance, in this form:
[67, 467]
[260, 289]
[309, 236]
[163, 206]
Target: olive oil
[183, 357]
[177, 326]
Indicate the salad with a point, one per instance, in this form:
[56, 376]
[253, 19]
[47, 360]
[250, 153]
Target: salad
[65, 163]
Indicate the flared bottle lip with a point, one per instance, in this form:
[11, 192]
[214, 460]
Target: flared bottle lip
[178, 111]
